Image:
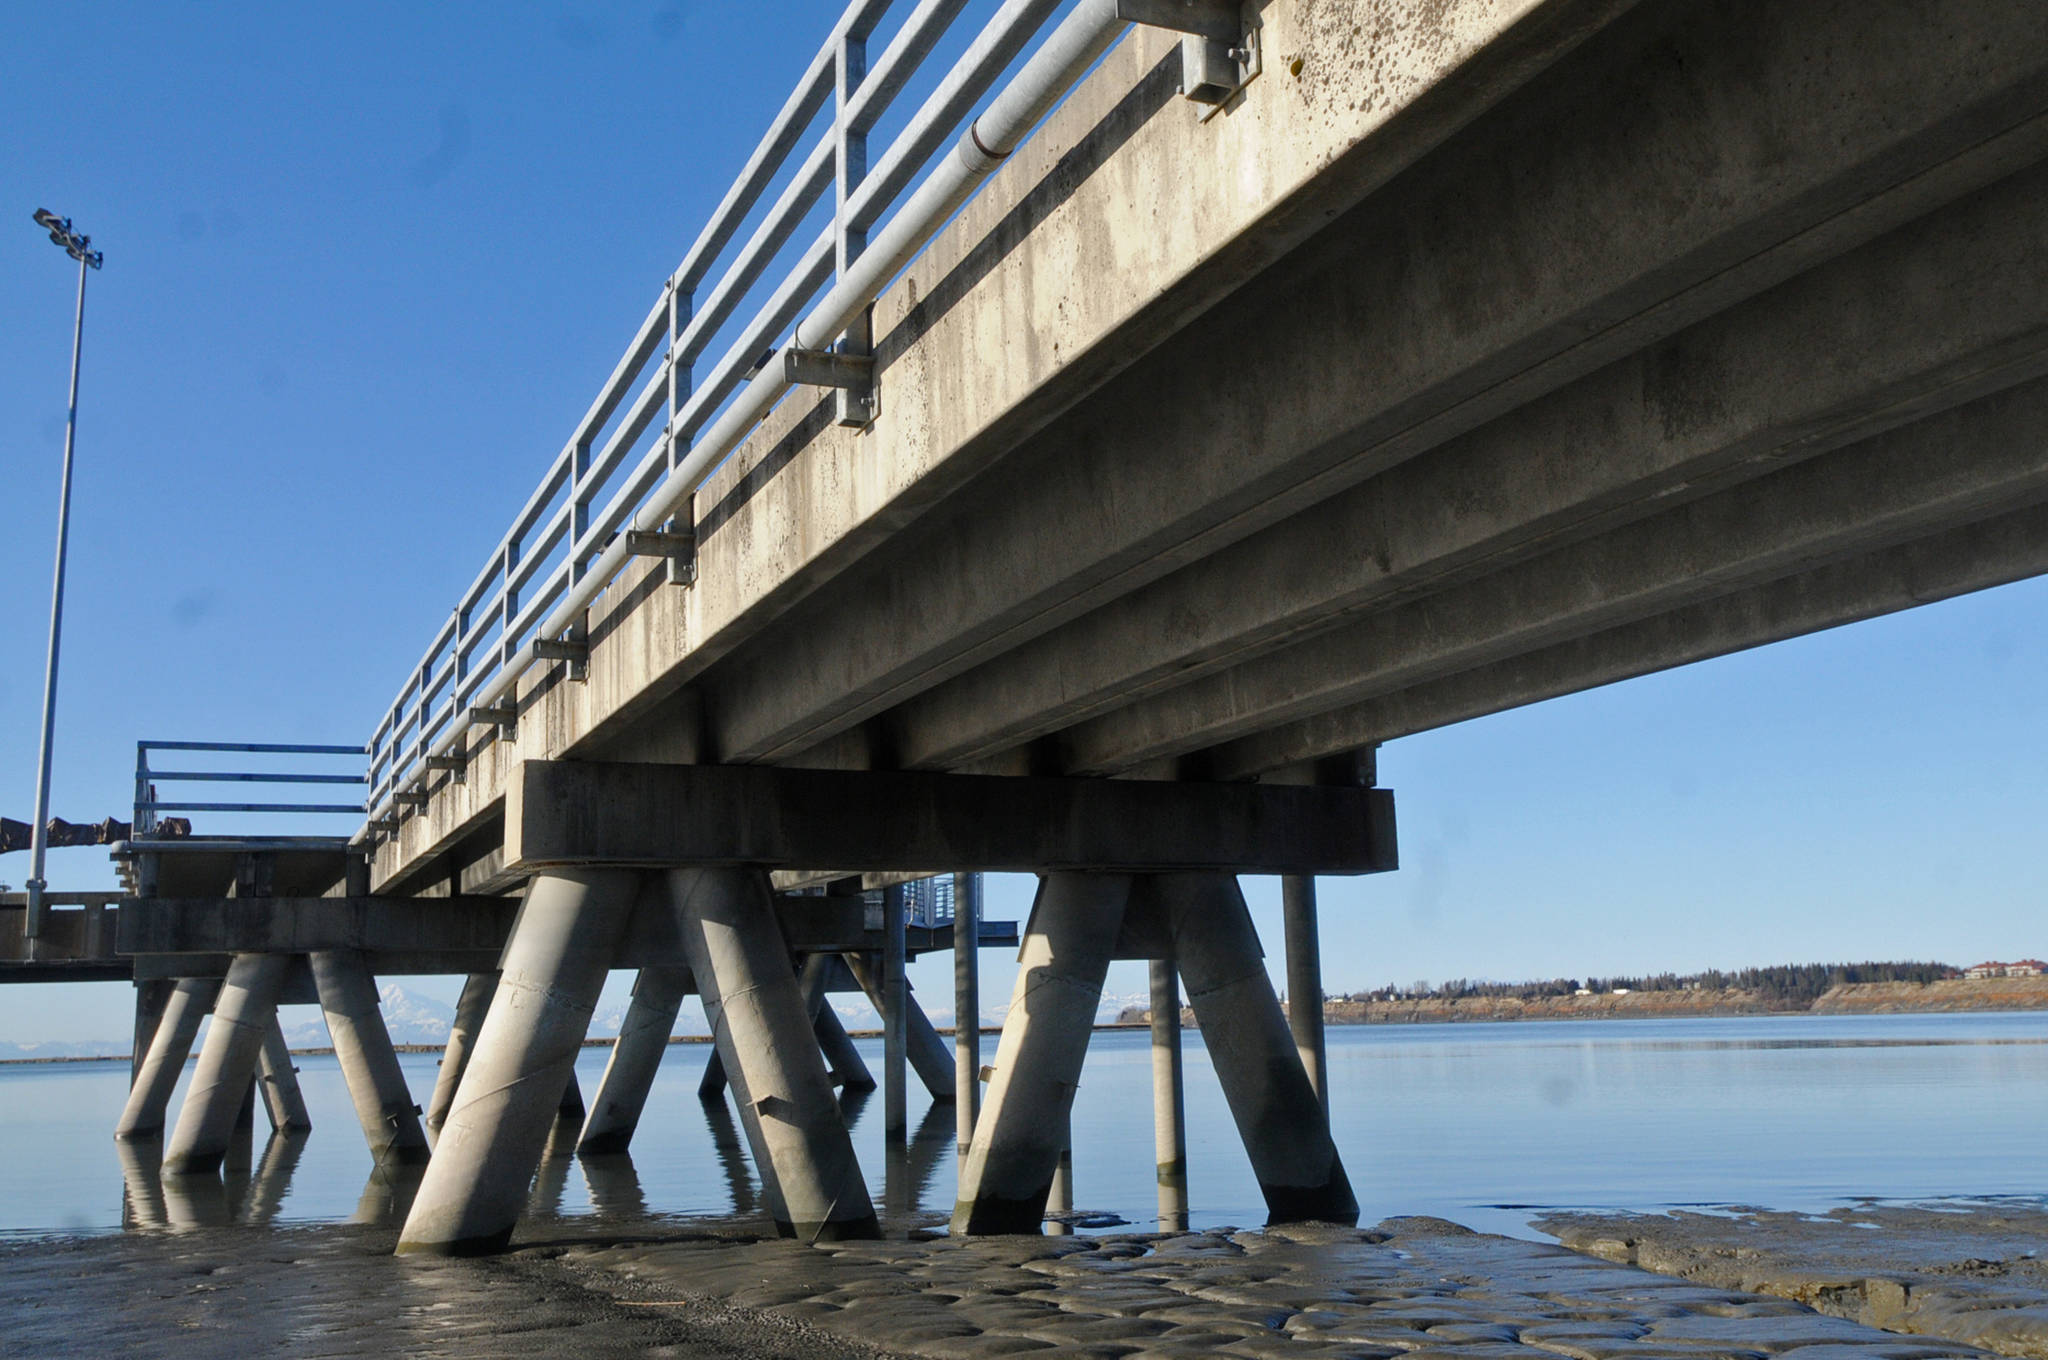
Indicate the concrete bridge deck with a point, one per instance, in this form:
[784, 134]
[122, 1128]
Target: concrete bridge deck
[1475, 354]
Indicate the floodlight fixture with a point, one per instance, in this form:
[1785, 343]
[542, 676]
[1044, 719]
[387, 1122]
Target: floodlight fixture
[77, 246]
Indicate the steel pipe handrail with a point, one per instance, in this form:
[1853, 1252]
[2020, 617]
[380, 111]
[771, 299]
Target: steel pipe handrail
[483, 647]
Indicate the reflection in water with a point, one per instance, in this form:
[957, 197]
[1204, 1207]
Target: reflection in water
[142, 1185]
[274, 1176]
[725, 1140]
[614, 1185]
[196, 1201]
[908, 1168]
[550, 1182]
[387, 1196]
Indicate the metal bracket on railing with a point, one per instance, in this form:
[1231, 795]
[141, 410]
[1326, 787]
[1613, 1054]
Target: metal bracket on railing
[384, 825]
[675, 540]
[852, 374]
[504, 717]
[1218, 57]
[573, 651]
[410, 797]
[455, 767]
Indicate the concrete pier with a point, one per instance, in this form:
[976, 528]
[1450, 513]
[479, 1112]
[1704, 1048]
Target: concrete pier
[849, 1070]
[562, 946]
[1284, 1127]
[923, 1050]
[1022, 1129]
[893, 999]
[243, 1016]
[1305, 978]
[369, 1064]
[636, 1056]
[1059, 1200]
[278, 1081]
[966, 1007]
[810, 1177]
[149, 1097]
[711, 1083]
[150, 999]
[470, 1009]
[1169, 1099]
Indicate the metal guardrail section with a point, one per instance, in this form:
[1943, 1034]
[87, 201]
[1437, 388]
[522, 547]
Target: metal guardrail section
[592, 512]
[148, 804]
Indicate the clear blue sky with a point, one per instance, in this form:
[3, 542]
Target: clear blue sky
[366, 266]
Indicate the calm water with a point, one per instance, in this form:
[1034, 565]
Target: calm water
[1483, 1124]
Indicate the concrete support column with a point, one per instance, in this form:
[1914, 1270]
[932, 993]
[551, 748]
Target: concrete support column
[1169, 1100]
[1284, 1127]
[1022, 1129]
[150, 1000]
[711, 1085]
[642, 1043]
[849, 1070]
[810, 1177]
[562, 946]
[895, 993]
[966, 1007]
[149, 1095]
[923, 1048]
[278, 1080]
[369, 1064]
[242, 1015]
[1059, 1200]
[470, 1009]
[843, 1062]
[1305, 979]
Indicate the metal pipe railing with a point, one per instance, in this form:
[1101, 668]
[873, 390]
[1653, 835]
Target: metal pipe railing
[563, 549]
[148, 804]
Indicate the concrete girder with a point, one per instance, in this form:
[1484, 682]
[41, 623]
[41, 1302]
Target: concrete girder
[301, 925]
[592, 813]
[1951, 469]
[1676, 163]
[1991, 552]
[1935, 314]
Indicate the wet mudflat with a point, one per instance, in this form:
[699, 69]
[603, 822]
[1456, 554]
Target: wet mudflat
[1419, 1288]
[336, 1290]
[1962, 1270]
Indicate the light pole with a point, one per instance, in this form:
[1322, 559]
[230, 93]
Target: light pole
[80, 249]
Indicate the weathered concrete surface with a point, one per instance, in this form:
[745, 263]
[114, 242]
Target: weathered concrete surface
[1508, 288]
[1968, 1271]
[299, 925]
[632, 814]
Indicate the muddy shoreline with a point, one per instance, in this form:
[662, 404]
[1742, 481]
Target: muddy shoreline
[1418, 1288]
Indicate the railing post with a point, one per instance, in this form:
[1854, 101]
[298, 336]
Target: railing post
[853, 406]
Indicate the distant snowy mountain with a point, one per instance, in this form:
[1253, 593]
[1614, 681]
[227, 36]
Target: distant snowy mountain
[411, 1018]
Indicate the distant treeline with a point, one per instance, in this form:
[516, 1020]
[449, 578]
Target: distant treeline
[1790, 984]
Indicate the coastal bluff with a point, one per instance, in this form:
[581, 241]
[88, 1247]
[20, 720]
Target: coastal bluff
[1856, 998]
